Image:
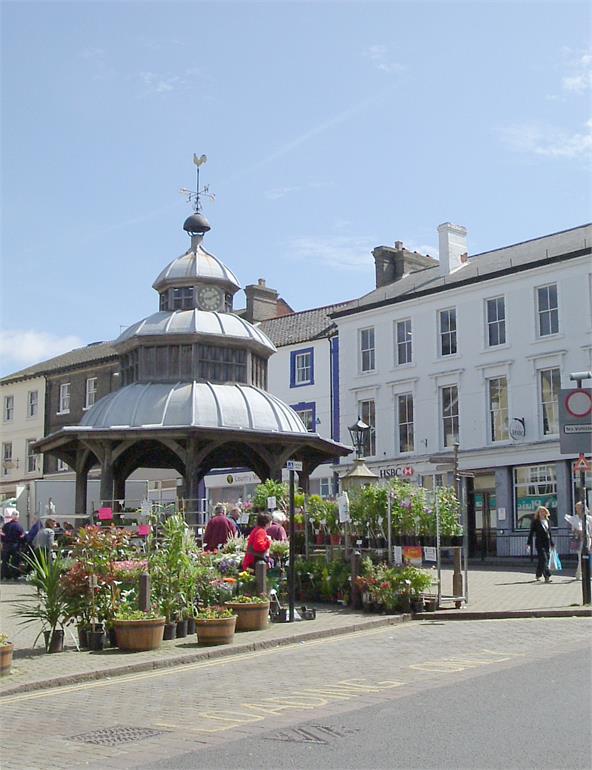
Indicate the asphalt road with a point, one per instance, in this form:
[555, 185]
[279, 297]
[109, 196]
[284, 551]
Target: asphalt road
[466, 694]
[535, 715]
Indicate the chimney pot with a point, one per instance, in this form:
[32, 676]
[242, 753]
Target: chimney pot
[399, 245]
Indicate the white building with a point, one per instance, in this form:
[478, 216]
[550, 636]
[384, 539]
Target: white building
[23, 414]
[473, 349]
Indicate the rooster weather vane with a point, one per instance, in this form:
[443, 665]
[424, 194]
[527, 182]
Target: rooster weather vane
[193, 196]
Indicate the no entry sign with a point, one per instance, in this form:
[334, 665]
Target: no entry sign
[575, 420]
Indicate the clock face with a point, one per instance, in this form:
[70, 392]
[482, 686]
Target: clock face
[210, 298]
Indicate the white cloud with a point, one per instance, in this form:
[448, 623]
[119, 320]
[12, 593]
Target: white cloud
[158, 83]
[580, 78]
[281, 192]
[344, 252]
[20, 348]
[379, 56]
[548, 141]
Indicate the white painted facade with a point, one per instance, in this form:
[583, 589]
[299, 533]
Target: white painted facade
[519, 362]
[21, 422]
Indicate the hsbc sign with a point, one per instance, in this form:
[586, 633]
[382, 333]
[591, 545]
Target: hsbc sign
[396, 471]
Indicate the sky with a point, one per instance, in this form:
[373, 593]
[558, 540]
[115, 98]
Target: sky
[330, 128]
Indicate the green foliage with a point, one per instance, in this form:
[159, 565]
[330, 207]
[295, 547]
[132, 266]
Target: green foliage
[214, 613]
[50, 606]
[367, 510]
[4, 640]
[128, 613]
[174, 573]
[279, 550]
[271, 488]
[323, 514]
[249, 600]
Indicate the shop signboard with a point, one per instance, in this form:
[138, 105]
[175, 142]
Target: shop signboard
[575, 420]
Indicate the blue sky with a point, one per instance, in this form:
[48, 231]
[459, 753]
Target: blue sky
[330, 128]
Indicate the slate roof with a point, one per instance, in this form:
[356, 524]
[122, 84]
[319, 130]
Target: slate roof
[547, 249]
[303, 326]
[87, 354]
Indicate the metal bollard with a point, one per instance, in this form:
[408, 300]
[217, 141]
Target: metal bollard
[457, 578]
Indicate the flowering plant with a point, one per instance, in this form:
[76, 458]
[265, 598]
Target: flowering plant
[250, 600]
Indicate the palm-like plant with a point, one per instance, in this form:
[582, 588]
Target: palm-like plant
[51, 606]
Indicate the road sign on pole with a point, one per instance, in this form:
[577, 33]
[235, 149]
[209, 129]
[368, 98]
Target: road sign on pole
[575, 420]
[294, 465]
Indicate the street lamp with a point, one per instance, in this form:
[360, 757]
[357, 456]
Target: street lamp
[578, 377]
[358, 432]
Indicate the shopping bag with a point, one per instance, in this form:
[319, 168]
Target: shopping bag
[554, 562]
[558, 565]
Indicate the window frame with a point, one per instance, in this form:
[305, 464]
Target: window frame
[452, 417]
[32, 412]
[493, 415]
[8, 411]
[62, 466]
[31, 456]
[497, 323]
[538, 497]
[407, 343]
[370, 351]
[407, 395]
[61, 401]
[371, 422]
[6, 457]
[294, 356]
[87, 393]
[307, 406]
[553, 312]
[544, 405]
[451, 334]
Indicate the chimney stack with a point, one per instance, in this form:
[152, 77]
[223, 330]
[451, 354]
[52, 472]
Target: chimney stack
[261, 302]
[453, 247]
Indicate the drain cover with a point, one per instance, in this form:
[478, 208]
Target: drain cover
[321, 735]
[113, 736]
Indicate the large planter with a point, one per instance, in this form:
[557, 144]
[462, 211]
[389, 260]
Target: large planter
[139, 635]
[6, 659]
[250, 617]
[216, 631]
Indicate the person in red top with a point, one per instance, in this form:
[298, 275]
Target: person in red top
[219, 529]
[276, 529]
[258, 542]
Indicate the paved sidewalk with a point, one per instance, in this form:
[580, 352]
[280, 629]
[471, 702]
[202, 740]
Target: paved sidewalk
[491, 591]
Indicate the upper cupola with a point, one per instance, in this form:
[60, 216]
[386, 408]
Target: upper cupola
[197, 280]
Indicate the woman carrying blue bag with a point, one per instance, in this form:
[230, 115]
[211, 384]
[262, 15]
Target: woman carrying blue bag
[540, 532]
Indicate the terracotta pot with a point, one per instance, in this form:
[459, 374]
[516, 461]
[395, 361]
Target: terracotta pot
[250, 617]
[335, 539]
[218, 631]
[6, 659]
[139, 635]
[320, 538]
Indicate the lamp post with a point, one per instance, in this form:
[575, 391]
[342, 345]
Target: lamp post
[586, 587]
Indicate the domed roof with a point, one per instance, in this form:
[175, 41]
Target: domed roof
[193, 404]
[196, 321]
[196, 264]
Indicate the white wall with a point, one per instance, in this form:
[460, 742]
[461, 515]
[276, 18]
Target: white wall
[519, 359]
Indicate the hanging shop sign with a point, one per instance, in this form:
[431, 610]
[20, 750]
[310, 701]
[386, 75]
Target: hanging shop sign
[517, 428]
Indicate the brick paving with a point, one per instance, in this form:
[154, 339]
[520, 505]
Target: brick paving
[490, 590]
[207, 704]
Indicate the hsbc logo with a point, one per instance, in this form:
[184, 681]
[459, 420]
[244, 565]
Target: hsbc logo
[396, 471]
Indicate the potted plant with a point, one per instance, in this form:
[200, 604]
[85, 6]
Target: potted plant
[50, 607]
[279, 551]
[138, 631]
[252, 612]
[215, 625]
[6, 650]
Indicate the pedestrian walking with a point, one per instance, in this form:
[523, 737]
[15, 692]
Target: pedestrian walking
[219, 529]
[540, 533]
[13, 539]
[577, 532]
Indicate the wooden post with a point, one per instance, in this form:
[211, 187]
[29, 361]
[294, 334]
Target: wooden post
[356, 569]
[144, 593]
[261, 577]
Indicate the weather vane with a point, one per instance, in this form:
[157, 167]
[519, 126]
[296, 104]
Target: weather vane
[194, 196]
